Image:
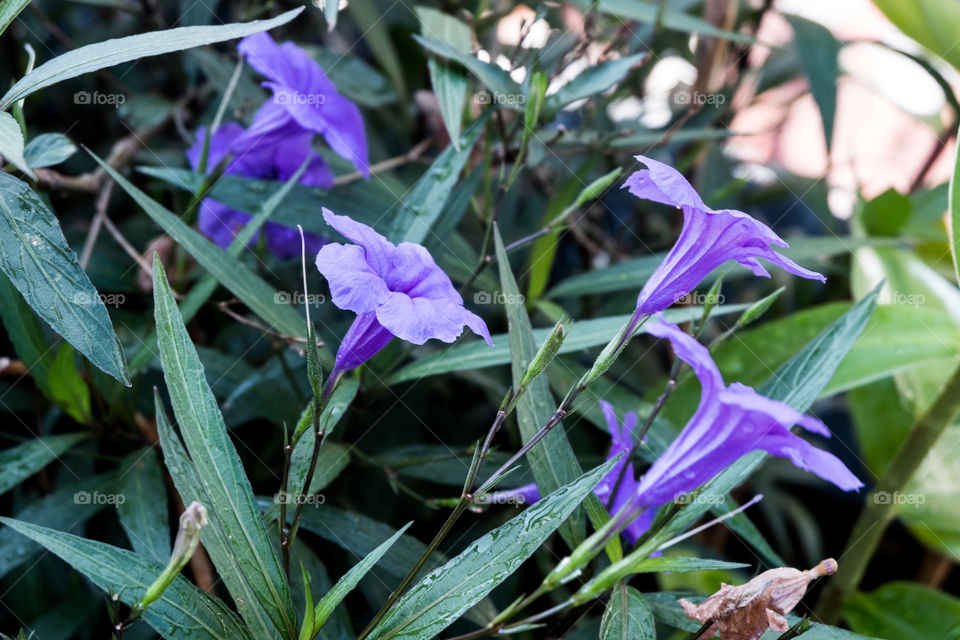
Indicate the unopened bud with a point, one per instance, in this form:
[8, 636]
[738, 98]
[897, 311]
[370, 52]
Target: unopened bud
[548, 350]
[192, 520]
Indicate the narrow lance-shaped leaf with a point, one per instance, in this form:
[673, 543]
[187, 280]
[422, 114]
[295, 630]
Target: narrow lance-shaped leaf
[11, 143]
[45, 270]
[218, 467]
[213, 537]
[420, 210]
[182, 611]
[113, 52]
[627, 616]
[817, 52]
[953, 220]
[22, 461]
[445, 593]
[350, 579]
[9, 11]
[143, 512]
[552, 460]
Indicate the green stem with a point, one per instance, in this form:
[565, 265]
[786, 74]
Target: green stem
[877, 514]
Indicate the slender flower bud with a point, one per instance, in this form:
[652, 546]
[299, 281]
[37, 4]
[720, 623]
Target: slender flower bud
[188, 538]
[547, 351]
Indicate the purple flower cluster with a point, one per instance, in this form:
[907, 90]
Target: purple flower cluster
[730, 421]
[304, 103]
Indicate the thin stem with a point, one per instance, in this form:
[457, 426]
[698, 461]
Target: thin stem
[877, 513]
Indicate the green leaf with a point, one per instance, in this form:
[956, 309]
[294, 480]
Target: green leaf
[218, 468]
[449, 84]
[359, 535]
[679, 564]
[368, 17]
[11, 143]
[22, 461]
[929, 22]
[900, 610]
[491, 76]
[421, 209]
[45, 270]
[10, 10]
[885, 214]
[143, 513]
[350, 579]
[26, 334]
[213, 537]
[445, 593]
[552, 461]
[229, 271]
[182, 611]
[593, 80]
[583, 335]
[627, 616]
[953, 220]
[113, 52]
[68, 388]
[671, 19]
[818, 52]
[66, 508]
[48, 149]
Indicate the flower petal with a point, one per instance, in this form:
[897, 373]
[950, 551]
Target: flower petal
[379, 251]
[354, 284]
[220, 223]
[414, 272]
[363, 340]
[220, 143]
[662, 183]
[417, 320]
[692, 352]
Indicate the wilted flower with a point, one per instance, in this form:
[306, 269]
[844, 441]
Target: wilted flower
[748, 611]
[729, 422]
[709, 238]
[395, 290]
[304, 101]
[621, 441]
[219, 222]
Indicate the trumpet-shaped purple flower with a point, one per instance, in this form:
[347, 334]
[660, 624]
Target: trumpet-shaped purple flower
[621, 441]
[219, 222]
[304, 101]
[709, 238]
[395, 290]
[730, 421]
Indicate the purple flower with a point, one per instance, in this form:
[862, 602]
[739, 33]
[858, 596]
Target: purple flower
[708, 239]
[730, 421]
[304, 101]
[395, 290]
[219, 222]
[621, 441]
